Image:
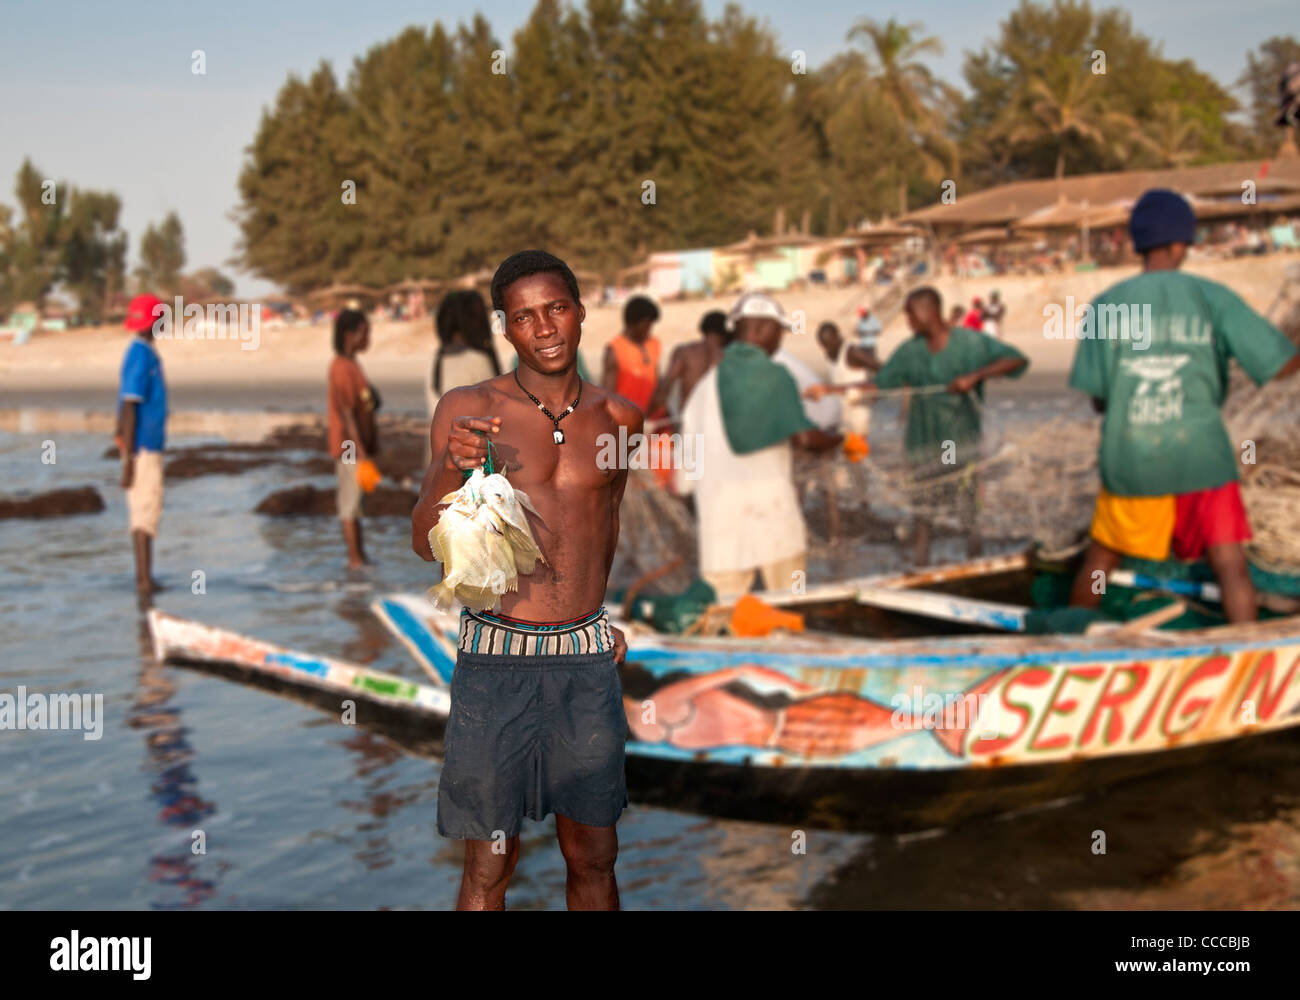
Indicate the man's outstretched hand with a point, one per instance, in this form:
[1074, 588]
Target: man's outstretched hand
[467, 441]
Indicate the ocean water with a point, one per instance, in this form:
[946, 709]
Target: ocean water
[301, 812]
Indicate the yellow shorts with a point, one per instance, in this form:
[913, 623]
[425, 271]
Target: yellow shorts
[1135, 526]
[348, 493]
[144, 499]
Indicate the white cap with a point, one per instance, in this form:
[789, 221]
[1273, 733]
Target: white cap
[756, 305]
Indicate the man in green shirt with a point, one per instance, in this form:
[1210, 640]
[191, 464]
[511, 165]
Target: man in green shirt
[943, 427]
[1153, 354]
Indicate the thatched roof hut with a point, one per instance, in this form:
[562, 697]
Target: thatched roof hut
[1007, 203]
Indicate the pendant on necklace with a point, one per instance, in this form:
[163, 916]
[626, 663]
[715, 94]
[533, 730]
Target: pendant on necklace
[559, 436]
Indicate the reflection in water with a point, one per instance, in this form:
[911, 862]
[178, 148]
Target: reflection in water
[372, 639]
[174, 787]
[374, 760]
[760, 866]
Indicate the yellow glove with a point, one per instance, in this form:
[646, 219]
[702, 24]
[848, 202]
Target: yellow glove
[368, 476]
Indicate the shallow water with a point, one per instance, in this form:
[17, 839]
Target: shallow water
[299, 811]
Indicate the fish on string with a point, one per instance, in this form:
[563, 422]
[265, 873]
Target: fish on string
[483, 541]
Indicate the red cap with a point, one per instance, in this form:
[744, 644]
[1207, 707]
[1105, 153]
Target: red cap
[140, 313]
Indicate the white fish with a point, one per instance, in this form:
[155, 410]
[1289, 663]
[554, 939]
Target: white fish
[509, 505]
[483, 541]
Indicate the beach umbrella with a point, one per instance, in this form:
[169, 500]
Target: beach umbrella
[1080, 215]
[1063, 214]
[754, 246]
[883, 232]
[416, 285]
[337, 291]
[989, 234]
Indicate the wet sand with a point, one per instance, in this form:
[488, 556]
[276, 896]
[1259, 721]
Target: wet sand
[1221, 835]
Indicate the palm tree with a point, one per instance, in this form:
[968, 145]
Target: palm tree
[909, 89]
[1067, 104]
[1171, 135]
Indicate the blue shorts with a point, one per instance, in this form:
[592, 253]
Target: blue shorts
[532, 733]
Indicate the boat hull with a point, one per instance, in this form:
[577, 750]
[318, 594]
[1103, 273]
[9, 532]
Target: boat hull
[367, 696]
[907, 801]
[837, 731]
[827, 731]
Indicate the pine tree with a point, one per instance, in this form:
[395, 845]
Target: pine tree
[162, 256]
[300, 188]
[93, 264]
[36, 242]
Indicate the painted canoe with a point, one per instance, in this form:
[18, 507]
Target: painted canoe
[902, 733]
[371, 696]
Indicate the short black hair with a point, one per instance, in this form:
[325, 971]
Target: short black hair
[524, 264]
[715, 322]
[928, 292]
[639, 308]
[344, 323]
[827, 325]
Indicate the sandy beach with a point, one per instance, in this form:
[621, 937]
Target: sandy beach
[77, 370]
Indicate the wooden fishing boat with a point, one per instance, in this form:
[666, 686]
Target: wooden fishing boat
[912, 701]
[368, 697]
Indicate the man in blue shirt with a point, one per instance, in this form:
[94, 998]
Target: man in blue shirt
[141, 434]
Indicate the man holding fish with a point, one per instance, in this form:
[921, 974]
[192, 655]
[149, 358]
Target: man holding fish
[537, 723]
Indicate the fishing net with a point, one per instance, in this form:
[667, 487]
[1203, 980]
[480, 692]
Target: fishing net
[1035, 482]
[1265, 422]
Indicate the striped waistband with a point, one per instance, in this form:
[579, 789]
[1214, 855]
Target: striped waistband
[481, 632]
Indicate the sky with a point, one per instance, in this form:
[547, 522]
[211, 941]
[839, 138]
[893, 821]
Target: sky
[101, 94]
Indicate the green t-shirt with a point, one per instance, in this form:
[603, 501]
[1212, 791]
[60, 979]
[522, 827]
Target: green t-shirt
[759, 399]
[1163, 385]
[934, 418]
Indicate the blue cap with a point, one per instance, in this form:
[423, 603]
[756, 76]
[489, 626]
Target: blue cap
[1159, 218]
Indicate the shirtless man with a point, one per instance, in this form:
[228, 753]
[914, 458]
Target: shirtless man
[537, 723]
[689, 362]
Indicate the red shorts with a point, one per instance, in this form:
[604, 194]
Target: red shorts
[1183, 524]
[1209, 517]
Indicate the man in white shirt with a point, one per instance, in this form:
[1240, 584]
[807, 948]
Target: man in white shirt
[747, 414]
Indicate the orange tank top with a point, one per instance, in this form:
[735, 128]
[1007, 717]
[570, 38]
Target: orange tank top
[638, 370]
